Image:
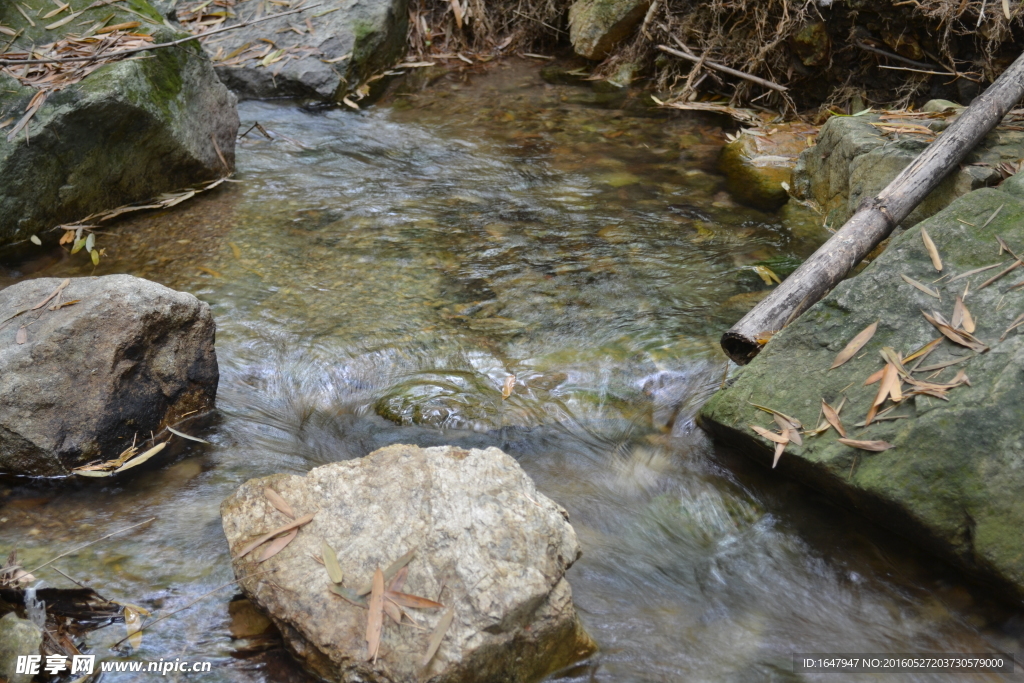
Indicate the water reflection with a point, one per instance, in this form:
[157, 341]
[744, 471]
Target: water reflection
[375, 279]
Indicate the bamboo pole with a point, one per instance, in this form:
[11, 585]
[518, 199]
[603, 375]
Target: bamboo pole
[874, 220]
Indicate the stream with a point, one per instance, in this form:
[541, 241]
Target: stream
[376, 276]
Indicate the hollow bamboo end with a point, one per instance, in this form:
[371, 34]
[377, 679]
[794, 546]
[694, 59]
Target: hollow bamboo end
[739, 348]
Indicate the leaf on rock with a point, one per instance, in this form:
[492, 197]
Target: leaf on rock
[780, 448]
[392, 610]
[855, 345]
[933, 252]
[412, 601]
[438, 635]
[396, 584]
[792, 420]
[833, 417]
[924, 288]
[331, 563]
[392, 569]
[770, 435]
[788, 430]
[875, 446]
[301, 521]
[279, 544]
[375, 616]
[138, 460]
[280, 503]
[874, 377]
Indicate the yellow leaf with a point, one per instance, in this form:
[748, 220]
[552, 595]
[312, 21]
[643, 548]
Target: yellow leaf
[855, 345]
[933, 252]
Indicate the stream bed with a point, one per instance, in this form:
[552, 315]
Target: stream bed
[376, 277]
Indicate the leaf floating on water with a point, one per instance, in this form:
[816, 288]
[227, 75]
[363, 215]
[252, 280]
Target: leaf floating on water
[833, 418]
[278, 501]
[331, 563]
[933, 252]
[914, 283]
[392, 569]
[172, 430]
[506, 389]
[768, 275]
[875, 446]
[141, 458]
[770, 435]
[133, 625]
[780, 448]
[375, 617]
[279, 544]
[438, 635]
[305, 519]
[855, 345]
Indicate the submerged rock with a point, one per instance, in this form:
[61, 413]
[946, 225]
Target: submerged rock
[127, 132]
[855, 159]
[487, 544]
[952, 481]
[18, 638]
[118, 358]
[597, 26]
[343, 44]
[758, 162]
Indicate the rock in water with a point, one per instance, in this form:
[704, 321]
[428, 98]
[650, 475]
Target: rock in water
[486, 543]
[597, 26]
[80, 382]
[127, 132]
[952, 482]
[758, 162]
[18, 638]
[349, 42]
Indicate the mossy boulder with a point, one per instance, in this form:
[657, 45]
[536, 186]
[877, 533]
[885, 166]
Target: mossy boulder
[952, 482]
[758, 162]
[349, 43]
[127, 132]
[597, 26]
[857, 156]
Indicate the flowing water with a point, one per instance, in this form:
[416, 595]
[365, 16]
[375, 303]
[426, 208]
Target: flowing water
[375, 277]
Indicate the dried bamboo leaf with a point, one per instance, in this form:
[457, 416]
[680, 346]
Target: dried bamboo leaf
[976, 271]
[968, 321]
[957, 318]
[945, 364]
[770, 435]
[278, 501]
[134, 462]
[780, 448]
[874, 377]
[348, 595]
[392, 569]
[413, 601]
[133, 626]
[51, 295]
[279, 544]
[924, 288]
[375, 616]
[396, 584]
[792, 420]
[833, 418]
[506, 389]
[855, 345]
[933, 252]
[437, 636]
[331, 563]
[1017, 322]
[305, 519]
[875, 446]
[172, 430]
[789, 430]
[392, 610]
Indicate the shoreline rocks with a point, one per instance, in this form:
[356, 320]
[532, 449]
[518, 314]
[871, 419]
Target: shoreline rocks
[487, 545]
[951, 481]
[103, 361]
[126, 132]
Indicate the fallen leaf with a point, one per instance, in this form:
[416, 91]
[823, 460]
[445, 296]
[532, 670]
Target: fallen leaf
[413, 601]
[392, 569]
[961, 337]
[305, 519]
[833, 418]
[933, 252]
[34, 239]
[392, 610]
[375, 616]
[927, 290]
[438, 635]
[348, 594]
[279, 544]
[457, 11]
[876, 446]
[55, 292]
[133, 625]
[506, 389]
[396, 584]
[789, 430]
[923, 351]
[278, 501]
[172, 430]
[770, 435]
[874, 377]
[331, 563]
[767, 274]
[134, 462]
[780, 448]
[792, 420]
[855, 345]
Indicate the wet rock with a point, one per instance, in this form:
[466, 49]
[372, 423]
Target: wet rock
[854, 160]
[952, 482]
[18, 637]
[597, 26]
[811, 43]
[349, 43]
[127, 132]
[79, 383]
[487, 543]
[758, 162]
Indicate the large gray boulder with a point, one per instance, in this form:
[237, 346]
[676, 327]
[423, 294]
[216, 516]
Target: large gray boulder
[597, 26]
[487, 544]
[18, 638]
[349, 43]
[954, 478]
[80, 382]
[125, 133]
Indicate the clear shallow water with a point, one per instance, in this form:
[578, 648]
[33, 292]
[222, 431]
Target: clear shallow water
[376, 277]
